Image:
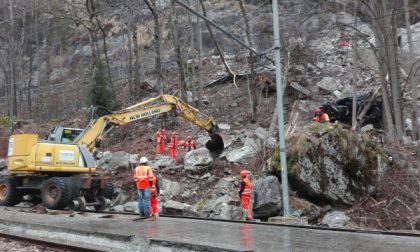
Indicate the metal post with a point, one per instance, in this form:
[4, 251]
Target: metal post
[279, 92]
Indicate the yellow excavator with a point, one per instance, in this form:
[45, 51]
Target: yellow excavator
[60, 171]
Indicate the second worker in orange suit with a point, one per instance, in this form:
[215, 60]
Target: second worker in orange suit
[173, 143]
[154, 192]
[160, 143]
[189, 144]
[245, 194]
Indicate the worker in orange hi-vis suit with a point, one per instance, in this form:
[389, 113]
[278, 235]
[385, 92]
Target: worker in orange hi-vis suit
[189, 144]
[173, 143]
[160, 143]
[245, 194]
[154, 192]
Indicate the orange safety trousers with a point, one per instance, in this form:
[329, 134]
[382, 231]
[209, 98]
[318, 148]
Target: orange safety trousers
[160, 148]
[172, 153]
[154, 205]
[245, 201]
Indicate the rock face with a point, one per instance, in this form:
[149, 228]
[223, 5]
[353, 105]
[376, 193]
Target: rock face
[177, 208]
[267, 197]
[115, 160]
[339, 166]
[198, 161]
[335, 219]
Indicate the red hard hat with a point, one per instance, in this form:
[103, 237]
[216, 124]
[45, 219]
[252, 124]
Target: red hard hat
[244, 173]
[317, 111]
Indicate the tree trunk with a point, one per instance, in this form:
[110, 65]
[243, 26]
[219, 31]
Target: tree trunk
[136, 57]
[200, 60]
[219, 48]
[157, 37]
[177, 46]
[130, 57]
[382, 62]
[390, 43]
[411, 77]
[355, 62]
[251, 85]
[13, 109]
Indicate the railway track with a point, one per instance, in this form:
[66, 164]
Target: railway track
[49, 244]
[361, 231]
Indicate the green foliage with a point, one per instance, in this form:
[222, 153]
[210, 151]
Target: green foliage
[5, 122]
[202, 203]
[101, 93]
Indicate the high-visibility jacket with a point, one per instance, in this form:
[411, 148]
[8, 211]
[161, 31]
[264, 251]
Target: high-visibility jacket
[153, 183]
[189, 145]
[142, 175]
[322, 118]
[247, 188]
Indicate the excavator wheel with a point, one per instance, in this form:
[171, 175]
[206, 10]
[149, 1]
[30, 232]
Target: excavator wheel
[215, 144]
[9, 195]
[56, 193]
[108, 191]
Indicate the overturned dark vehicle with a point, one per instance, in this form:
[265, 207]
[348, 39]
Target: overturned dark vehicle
[341, 110]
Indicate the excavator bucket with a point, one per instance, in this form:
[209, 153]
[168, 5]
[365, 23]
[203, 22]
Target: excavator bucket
[215, 144]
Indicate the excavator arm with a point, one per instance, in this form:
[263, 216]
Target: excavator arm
[103, 120]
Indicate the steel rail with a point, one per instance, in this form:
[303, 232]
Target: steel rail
[361, 231]
[50, 244]
[273, 224]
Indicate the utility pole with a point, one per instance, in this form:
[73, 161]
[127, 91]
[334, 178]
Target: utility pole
[282, 144]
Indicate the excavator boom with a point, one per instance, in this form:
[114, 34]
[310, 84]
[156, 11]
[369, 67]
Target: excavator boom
[103, 120]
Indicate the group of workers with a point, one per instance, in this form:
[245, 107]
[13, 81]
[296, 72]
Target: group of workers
[148, 185]
[148, 190]
[173, 144]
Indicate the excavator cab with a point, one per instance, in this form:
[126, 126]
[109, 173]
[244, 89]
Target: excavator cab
[64, 135]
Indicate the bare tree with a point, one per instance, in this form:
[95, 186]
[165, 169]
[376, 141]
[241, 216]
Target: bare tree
[180, 62]
[415, 133]
[252, 91]
[157, 42]
[219, 48]
[13, 85]
[355, 63]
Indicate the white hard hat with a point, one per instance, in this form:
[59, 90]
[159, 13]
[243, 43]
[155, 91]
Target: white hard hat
[143, 160]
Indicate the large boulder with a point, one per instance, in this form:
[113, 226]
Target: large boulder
[267, 197]
[198, 161]
[172, 207]
[245, 153]
[224, 207]
[170, 188]
[162, 162]
[339, 166]
[328, 84]
[224, 186]
[335, 219]
[265, 138]
[115, 160]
